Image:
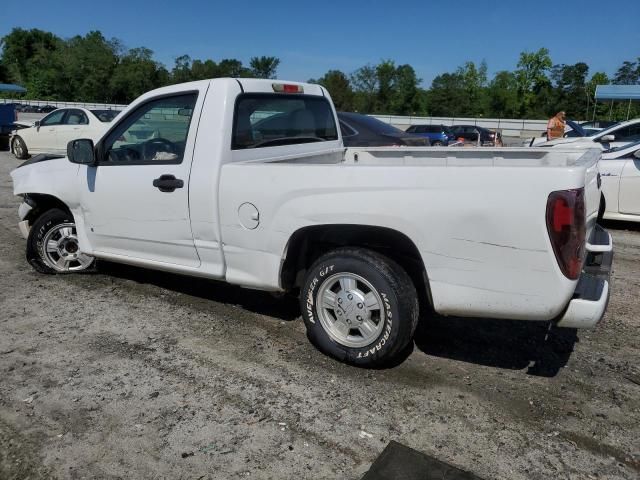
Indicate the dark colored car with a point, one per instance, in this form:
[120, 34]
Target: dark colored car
[364, 131]
[470, 134]
[46, 109]
[438, 135]
[28, 108]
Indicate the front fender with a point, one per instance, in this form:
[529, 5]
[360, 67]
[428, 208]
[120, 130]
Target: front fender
[56, 177]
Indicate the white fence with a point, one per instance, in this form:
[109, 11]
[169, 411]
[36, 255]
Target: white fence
[58, 104]
[508, 127]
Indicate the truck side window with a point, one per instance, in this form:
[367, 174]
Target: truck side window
[156, 132]
[267, 120]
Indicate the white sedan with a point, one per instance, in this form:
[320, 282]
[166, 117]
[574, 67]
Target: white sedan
[617, 135]
[53, 132]
[620, 173]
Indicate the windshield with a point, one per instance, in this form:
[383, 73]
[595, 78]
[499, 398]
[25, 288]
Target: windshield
[105, 115]
[606, 131]
[376, 125]
[629, 146]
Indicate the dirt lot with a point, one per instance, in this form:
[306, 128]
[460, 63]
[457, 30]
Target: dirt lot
[135, 374]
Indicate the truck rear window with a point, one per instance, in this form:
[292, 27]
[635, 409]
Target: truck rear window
[269, 120]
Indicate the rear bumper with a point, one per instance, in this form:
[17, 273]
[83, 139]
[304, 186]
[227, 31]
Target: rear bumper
[591, 297]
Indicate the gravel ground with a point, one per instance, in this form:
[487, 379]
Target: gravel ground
[130, 373]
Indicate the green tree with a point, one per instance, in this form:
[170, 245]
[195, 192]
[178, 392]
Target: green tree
[474, 81]
[87, 64]
[339, 87]
[135, 73]
[502, 95]
[407, 97]
[202, 70]
[628, 74]
[601, 109]
[181, 71]
[365, 87]
[264, 67]
[20, 46]
[533, 83]
[386, 74]
[447, 96]
[230, 67]
[570, 89]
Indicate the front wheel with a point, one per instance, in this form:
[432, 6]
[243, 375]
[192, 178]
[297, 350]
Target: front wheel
[359, 307]
[19, 148]
[52, 246]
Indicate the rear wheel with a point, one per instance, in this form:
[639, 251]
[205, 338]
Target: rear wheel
[19, 148]
[52, 246]
[359, 307]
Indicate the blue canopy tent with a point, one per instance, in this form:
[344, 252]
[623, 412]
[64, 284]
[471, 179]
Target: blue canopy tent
[9, 87]
[617, 93]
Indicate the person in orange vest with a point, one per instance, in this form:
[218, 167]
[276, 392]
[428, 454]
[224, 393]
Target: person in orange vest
[556, 125]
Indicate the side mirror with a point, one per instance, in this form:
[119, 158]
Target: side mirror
[81, 151]
[637, 154]
[37, 124]
[607, 138]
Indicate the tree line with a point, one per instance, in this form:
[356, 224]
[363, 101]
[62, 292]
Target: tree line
[537, 88]
[93, 68]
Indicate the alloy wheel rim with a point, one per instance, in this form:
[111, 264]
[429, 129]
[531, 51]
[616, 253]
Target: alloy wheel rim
[61, 250]
[350, 310]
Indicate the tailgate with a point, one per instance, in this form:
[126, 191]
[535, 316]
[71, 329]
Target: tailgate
[592, 187]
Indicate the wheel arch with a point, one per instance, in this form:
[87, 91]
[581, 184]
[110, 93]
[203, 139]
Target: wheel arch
[308, 243]
[41, 203]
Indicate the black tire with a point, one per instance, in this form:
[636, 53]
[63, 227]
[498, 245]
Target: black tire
[437, 143]
[21, 151]
[395, 288]
[36, 256]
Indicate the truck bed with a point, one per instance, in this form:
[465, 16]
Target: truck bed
[472, 157]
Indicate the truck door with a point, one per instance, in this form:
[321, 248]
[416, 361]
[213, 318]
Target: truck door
[630, 187]
[135, 200]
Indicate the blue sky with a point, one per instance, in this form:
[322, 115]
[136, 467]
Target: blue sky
[313, 37]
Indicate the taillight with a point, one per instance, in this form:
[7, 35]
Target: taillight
[567, 230]
[287, 88]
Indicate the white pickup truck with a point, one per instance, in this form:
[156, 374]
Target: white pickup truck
[247, 181]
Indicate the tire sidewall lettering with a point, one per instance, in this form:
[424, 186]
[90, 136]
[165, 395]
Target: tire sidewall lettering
[387, 329]
[309, 297]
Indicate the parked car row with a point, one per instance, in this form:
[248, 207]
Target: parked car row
[27, 108]
[442, 135]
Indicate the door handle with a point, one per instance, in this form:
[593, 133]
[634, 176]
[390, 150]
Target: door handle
[167, 183]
